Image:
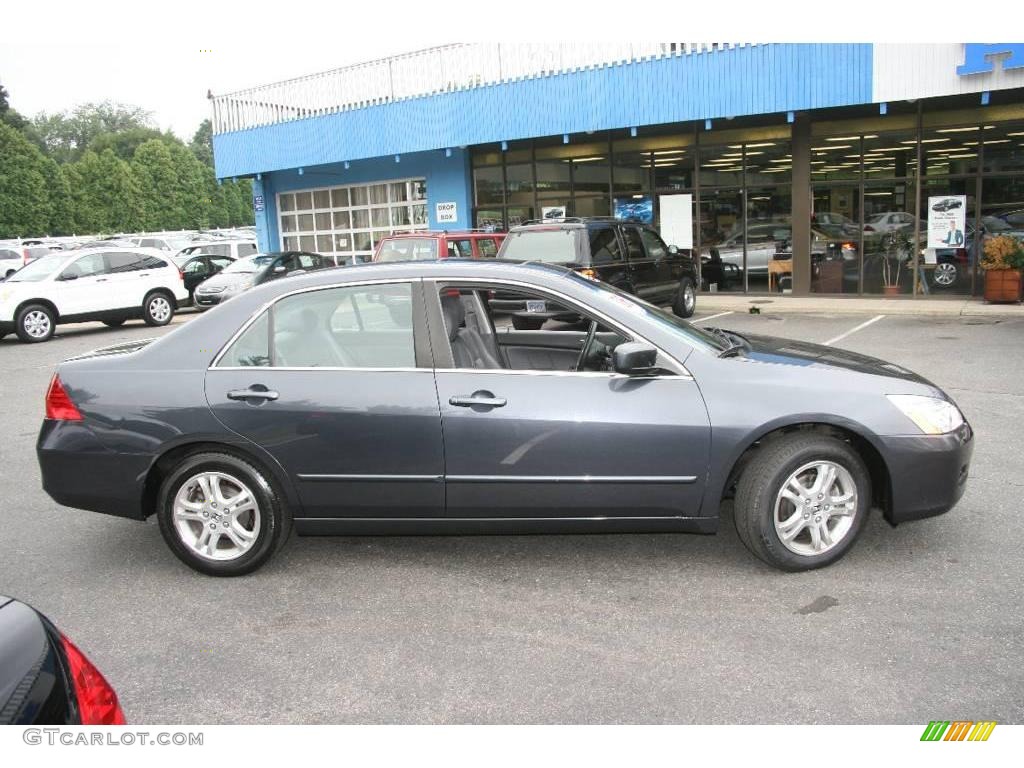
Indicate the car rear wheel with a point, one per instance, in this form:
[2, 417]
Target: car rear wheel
[221, 515]
[802, 501]
[945, 274]
[686, 298]
[114, 322]
[35, 323]
[158, 309]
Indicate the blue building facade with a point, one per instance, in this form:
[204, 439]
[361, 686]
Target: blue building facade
[826, 153]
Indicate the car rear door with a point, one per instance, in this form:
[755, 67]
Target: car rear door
[341, 393]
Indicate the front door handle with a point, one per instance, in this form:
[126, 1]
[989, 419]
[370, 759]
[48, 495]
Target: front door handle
[253, 394]
[481, 399]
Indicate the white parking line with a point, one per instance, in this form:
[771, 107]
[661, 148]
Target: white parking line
[710, 317]
[852, 331]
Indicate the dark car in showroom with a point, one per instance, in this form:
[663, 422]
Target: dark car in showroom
[44, 678]
[389, 398]
[248, 272]
[629, 255]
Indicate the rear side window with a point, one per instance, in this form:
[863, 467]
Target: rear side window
[634, 245]
[460, 249]
[604, 246]
[310, 261]
[123, 261]
[222, 249]
[244, 249]
[554, 246]
[365, 326]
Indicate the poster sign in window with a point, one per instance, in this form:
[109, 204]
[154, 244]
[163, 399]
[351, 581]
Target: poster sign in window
[257, 203]
[446, 213]
[676, 220]
[636, 208]
[947, 217]
[553, 212]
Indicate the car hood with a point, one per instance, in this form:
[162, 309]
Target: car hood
[772, 349]
[233, 278]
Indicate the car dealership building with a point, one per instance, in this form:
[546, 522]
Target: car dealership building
[816, 168]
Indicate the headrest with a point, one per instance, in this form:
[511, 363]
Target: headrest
[454, 314]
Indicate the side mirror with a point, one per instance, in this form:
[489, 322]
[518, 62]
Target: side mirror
[69, 276]
[673, 250]
[634, 358]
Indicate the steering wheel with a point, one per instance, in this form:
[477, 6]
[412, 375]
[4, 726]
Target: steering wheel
[581, 361]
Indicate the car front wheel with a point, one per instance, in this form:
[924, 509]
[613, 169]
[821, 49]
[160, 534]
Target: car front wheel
[157, 309]
[686, 299]
[802, 501]
[221, 515]
[945, 274]
[35, 323]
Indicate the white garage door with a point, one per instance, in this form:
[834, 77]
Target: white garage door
[347, 222]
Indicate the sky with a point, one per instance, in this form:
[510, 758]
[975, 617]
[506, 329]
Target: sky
[169, 81]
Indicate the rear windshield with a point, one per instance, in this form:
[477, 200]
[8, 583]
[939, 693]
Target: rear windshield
[249, 263]
[555, 246]
[408, 249]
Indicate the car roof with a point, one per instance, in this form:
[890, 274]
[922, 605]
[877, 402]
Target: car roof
[435, 234]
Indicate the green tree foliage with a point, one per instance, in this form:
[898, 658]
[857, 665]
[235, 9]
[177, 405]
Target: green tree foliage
[155, 172]
[202, 143]
[24, 203]
[59, 208]
[125, 143]
[108, 197]
[67, 135]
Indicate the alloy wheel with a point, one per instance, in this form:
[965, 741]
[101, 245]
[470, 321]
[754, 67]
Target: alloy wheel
[36, 324]
[945, 274]
[815, 508]
[216, 515]
[159, 309]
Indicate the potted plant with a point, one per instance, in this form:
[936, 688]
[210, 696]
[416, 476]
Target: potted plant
[895, 251]
[1003, 262]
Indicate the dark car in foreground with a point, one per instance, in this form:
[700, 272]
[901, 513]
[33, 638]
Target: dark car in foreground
[44, 678]
[391, 398]
[250, 271]
[629, 255]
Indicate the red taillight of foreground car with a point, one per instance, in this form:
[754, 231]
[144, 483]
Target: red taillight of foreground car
[97, 701]
[59, 405]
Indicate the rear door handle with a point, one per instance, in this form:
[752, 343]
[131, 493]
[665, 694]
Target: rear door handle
[253, 394]
[477, 399]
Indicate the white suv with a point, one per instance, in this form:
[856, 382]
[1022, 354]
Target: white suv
[107, 284]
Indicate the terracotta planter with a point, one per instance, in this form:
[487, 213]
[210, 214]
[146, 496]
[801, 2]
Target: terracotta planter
[1002, 285]
[892, 290]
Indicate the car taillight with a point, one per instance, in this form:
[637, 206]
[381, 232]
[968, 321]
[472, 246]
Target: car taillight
[97, 701]
[587, 272]
[24, 256]
[181, 274]
[869, 228]
[848, 246]
[59, 405]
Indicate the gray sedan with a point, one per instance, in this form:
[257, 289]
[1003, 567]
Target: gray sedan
[391, 398]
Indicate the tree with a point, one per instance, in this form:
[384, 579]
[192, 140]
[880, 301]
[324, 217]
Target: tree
[125, 143]
[24, 203]
[66, 136]
[106, 197]
[155, 172]
[202, 143]
[191, 189]
[59, 210]
[13, 118]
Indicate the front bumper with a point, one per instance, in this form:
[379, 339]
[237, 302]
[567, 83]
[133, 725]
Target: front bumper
[928, 473]
[207, 300]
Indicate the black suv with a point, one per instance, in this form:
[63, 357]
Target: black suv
[625, 254]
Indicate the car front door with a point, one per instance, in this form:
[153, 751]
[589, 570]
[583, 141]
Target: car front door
[82, 287]
[643, 272]
[546, 442]
[668, 268]
[341, 394]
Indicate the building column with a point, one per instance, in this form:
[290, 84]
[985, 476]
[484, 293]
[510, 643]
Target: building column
[261, 208]
[801, 221]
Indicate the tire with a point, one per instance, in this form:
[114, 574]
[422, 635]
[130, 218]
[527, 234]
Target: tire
[270, 524]
[528, 323]
[762, 482]
[114, 322]
[158, 308]
[685, 302]
[945, 275]
[35, 323]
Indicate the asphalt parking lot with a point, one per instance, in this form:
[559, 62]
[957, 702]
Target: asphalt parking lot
[918, 623]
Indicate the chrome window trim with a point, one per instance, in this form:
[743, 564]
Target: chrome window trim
[614, 324]
[586, 479]
[266, 307]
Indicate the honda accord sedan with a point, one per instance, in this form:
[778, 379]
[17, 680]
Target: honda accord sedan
[390, 398]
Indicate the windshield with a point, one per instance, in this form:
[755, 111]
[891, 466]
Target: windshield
[408, 249]
[689, 333]
[992, 224]
[249, 263]
[556, 246]
[40, 269]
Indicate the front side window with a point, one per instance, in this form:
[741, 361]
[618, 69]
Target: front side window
[365, 326]
[196, 267]
[654, 244]
[87, 266]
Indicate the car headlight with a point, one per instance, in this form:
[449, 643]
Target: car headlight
[932, 415]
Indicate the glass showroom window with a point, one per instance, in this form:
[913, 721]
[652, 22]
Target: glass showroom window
[346, 223]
